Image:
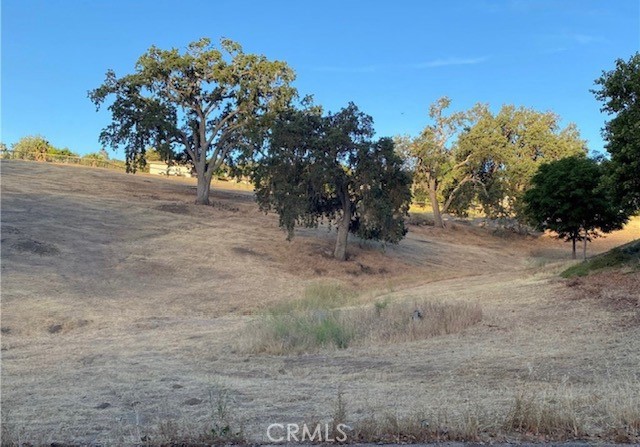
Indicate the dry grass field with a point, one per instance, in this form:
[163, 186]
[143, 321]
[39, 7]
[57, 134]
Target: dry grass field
[129, 314]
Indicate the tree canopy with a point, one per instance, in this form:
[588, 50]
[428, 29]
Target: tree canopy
[568, 197]
[435, 160]
[38, 148]
[506, 150]
[476, 155]
[620, 92]
[327, 168]
[203, 101]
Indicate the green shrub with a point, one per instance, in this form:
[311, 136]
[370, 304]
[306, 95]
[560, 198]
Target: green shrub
[626, 255]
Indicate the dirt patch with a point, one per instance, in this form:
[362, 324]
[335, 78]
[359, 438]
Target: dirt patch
[175, 208]
[7, 229]
[36, 247]
[66, 326]
[244, 251]
[225, 206]
[616, 291]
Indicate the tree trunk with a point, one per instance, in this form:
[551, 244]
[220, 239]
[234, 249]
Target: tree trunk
[585, 248]
[340, 252]
[202, 190]
[433, 196]
[573, 254]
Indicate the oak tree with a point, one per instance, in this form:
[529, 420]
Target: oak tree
[201, 102]
[506, 150]
[328, 168]
[438, 170]
[568, 197]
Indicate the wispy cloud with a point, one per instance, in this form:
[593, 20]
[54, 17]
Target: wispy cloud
[335, 69]
[555, 50]
[565, 41]
[584, 39]
[435, 63]
[450, 61]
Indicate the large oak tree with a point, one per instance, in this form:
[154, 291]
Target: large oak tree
[478, 155]
[203, 101]
[439, 171]
[328, 168]
[507, 148]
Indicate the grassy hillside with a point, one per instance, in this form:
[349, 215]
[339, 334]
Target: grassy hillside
[131, 316]
[627, 255]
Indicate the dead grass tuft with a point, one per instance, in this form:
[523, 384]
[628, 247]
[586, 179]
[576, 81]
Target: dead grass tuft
[221, 428]
[554, 416]
[422, 428]
[620, 410]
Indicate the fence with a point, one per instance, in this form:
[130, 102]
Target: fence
[65, 159]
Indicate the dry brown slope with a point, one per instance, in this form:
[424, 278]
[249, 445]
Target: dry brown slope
[128, 304]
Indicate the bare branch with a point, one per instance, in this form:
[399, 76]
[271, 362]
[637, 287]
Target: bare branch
[453, 193]
[221, 124]
[462, 163]
[222, 149]
[185, 140]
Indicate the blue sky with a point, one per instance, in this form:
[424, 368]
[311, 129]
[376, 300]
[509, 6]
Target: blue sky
[392, 58]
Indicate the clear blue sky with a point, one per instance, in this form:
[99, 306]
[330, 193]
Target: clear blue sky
[392, 58]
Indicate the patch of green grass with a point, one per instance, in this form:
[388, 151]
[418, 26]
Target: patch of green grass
[306, 330]
[317, 296]
[384, 322]
[625, 255]
[312, 321]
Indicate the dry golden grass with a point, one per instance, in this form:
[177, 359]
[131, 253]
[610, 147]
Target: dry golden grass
[122, 305]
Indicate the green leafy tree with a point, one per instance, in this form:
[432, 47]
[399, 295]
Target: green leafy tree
[567, 197]
[506, 150]
[440, 170]
[94, 156]
[153, 155]
[327, 168]
[64, 152]
[33, 147]
[203, 101]
[620, 92]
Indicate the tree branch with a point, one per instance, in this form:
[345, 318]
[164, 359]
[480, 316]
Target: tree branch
[221, 124]
[462, 163]
[453, 193]
[222, 149]
[185, 141]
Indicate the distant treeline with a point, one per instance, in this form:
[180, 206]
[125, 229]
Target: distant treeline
[37, 148]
